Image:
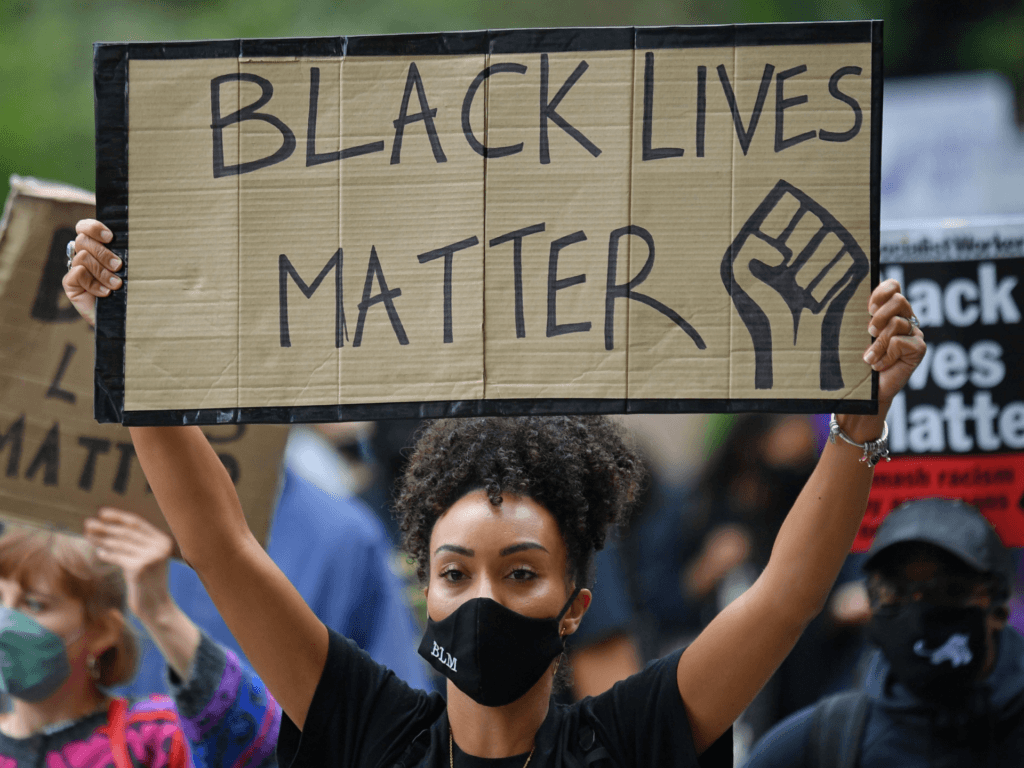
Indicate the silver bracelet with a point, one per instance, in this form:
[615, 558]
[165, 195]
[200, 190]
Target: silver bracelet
[874, 450]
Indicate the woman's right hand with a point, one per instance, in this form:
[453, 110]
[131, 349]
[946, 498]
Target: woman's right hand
[92, 268]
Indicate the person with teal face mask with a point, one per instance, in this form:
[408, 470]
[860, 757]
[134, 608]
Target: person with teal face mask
[64, 641]
[64, 645]
[33, 660]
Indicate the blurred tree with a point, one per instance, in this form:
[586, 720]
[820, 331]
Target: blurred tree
[46, 126]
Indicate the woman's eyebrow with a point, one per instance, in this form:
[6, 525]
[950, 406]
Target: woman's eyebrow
[520, 547]
[456, 549]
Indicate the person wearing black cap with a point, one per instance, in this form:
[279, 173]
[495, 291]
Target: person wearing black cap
[947, 688]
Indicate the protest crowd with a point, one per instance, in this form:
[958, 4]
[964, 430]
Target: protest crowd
[912, 654]
[754, 588]
[705, 528]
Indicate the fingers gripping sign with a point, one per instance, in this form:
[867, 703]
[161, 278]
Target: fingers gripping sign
[92, 268]
[899, 343]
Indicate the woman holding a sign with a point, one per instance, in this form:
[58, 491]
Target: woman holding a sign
[502, 517]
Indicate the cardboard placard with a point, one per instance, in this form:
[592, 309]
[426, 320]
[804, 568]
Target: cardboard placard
[957, 429]
[57, 465]
[515, 221]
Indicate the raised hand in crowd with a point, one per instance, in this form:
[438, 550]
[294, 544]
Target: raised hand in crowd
[241, 730]
[142, 551]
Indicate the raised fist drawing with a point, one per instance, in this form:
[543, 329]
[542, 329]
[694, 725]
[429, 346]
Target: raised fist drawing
[799, 249]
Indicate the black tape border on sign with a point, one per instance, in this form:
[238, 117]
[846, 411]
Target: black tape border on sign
[110, 81]
[110, 75]
[438, 409]
[552, 40]
[876, 167]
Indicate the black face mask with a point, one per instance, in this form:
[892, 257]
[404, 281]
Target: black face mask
[492, 654]
[934, 651]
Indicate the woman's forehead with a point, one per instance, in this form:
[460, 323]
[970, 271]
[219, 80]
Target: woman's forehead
[29, 580]
[473, 522]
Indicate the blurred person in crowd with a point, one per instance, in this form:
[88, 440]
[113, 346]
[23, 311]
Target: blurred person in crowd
[694, 533]
[947, 685]
[64, 641]
[327, 543]
[699, 544]
[227, 715]
[764, 463]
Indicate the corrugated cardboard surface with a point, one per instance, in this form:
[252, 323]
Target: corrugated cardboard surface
[400, 210]
[185, 251]
[57, 465]
[738, 163]
[573, 194]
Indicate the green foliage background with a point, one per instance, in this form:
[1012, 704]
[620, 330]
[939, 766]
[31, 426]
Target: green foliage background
[46, 126]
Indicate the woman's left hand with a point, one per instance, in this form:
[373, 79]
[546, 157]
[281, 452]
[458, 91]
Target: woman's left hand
[141, 550]
[899, 344]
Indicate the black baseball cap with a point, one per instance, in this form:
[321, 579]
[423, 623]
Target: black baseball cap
[952, 525]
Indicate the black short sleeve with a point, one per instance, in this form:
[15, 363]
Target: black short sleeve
[361, 714]
[641, 721]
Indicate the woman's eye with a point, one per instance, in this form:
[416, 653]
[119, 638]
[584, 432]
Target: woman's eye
[35, 605]
[452, 574]
[522, 574]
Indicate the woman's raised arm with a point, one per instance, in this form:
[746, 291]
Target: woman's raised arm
[283, 638]
[736, 654]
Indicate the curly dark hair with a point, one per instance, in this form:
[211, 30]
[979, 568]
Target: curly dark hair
[579, 468]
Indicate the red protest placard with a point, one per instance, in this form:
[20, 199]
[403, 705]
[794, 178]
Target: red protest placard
[994, 484]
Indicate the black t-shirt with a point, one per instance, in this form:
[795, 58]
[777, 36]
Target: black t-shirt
[363, 716]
